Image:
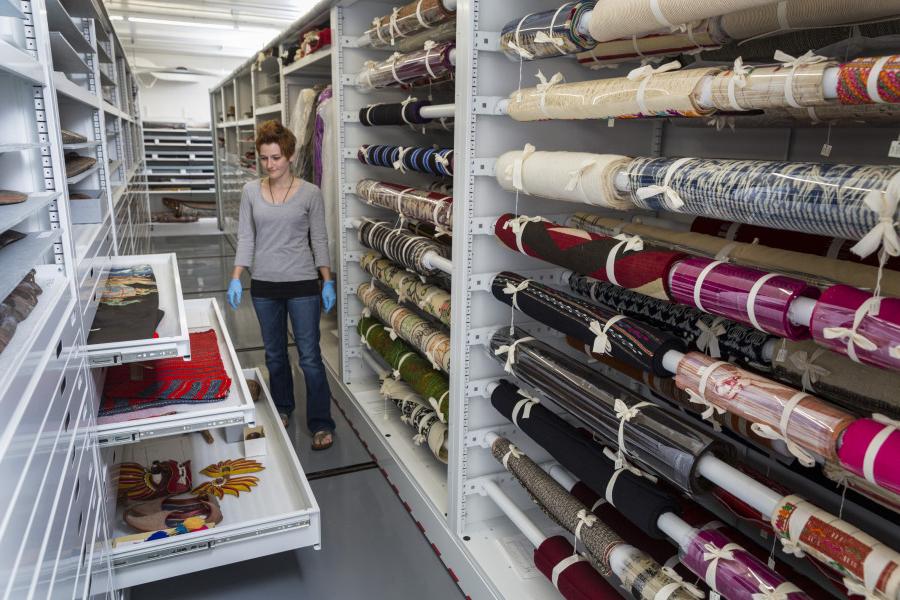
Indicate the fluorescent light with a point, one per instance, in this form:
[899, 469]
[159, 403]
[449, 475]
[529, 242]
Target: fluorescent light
[179, 23]
[117, 18]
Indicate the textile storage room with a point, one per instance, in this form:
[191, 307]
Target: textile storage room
[456, 298]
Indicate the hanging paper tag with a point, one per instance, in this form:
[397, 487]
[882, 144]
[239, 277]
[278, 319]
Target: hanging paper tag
[781, 356]
[826, 150]
[714, 595]
[771, 562]
[610, 122]
[894, 152]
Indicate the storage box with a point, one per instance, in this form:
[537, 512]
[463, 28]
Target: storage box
[87, 210]
[254, 441]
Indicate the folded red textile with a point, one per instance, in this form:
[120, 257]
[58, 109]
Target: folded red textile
[578, 581]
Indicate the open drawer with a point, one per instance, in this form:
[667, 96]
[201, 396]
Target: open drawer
[277, 515]
[172, 330]
[237, 409]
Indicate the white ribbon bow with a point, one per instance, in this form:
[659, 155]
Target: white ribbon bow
[767, 592]
[856, 588]
[851, 335]
[602, 343]
[810, 58]
[398, 164]
[514, 452]
[510, 352]
[671, 198]
[770, 433]
[584, 518]
[576, 174]
[634, 243]
[677, 583]
[516, 170]
[518, 224]
[620, 462]
[739, 72]
[884, 233]
[647, 71]
[542, 38]
[714, 554]
[711, 409]
[544, 86]
[390, 331]
[709, 336]
[522, 52]
[624, 414]
[720, 122]
[513, 290]
[810, 372]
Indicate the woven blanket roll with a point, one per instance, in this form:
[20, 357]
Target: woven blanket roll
[670, 94]
[873, 338]
[569, 176]
[547, 33]
[771, 87]
[430, 298]
[577, 581]
[825, 199]
[699, 37]
[869, 448]
[812, 423]
[416, 412]
[419, 67]
[412, 203]
[803, 266]
[406, 21]
[870, 80]
[432, 161]
[624, 18]
[428, 382]
[601, 257]
[749, 296]
[654, 437]
[628, 339]
[803, 14]
[400, 245]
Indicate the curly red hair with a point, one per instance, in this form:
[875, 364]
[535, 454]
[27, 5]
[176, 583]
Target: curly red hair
[273, 132]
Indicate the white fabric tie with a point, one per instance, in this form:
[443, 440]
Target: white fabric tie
[627, 243]
[765, 431]
[428, 46]
[400, 362]
[738, 79]
[401, 153]
[810, 58]
[513, 451]
[767, 592]
[709, 336]
[365, 336]
[518, 225]
[584, 519]
[852, 335]
[562, 565]
[510, 352]
[575, 177]
[624, 414]
[699, 397]
[542, 38]
[659, 16]
[436, 405]
[714, 554]
[524, 406]
[621, 463]
[513, 290]
[751, 299]
[874, 76]
[698, 285]
[875, 445]
[810, 371]
[516, 171]
[394, 28]
[671, 199]
[677, 583]
[545, 86]
[376, 23]
[419, 16]
[517, 46]
[884, 233]
[392, 61]
[644, 74]
[855, 588]
[602, 343]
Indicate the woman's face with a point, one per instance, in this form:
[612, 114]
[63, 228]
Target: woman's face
[273, 161]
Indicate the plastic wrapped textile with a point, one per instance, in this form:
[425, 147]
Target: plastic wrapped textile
[394, 113]
[865, 563]
[438, 162]
[428, 339]
[442, 32]
[819, 270]
[407, 20]
[654, 437]
[432, 232]
[842, 477]
[428, 297]
[547, 34]
[749, 296]
[733, 571]
[771, 87]
[628, 339]
[698, 37]
[716, 336]
[869, 449]
[871, 80]
[624, 18]
[418, 414]
[627, 263]
[418, 67]
[551, 175]
[399, 245]
[802, 420]
[667, 94]
[850, 321]
[408, 202]
[576, 580]
[430, 383]
[825, 199]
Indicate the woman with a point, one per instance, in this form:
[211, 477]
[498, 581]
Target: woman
[282, 240]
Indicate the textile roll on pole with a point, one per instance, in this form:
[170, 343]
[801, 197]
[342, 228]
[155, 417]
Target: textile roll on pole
[873, 80]
[430, 298]
[630, 340]
[547, 34]
[698, 37]
[408, 202]
[399, 245]
[647, 94]
[415, 412]
[433, 343]
[628, 263]
[432, 63]
[802, 14]
[395, 113]
[624, 18]
[442, 32]
[406, 21]
[639, 432]
[756, 88]
[869, 449]
[841, 476]
[430, 383]
[569, 176]
[438, 162]
[579, 580]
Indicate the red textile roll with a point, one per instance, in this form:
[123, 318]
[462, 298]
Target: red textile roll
[631, 264]
[579, 581]
[870, 449]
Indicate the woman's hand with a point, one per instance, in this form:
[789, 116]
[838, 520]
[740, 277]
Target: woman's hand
[328, 295]
[235, 291]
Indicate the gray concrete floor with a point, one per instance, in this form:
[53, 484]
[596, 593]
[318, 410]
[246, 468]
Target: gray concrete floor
[371, 548]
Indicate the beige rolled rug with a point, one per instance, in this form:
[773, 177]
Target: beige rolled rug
[804, 14]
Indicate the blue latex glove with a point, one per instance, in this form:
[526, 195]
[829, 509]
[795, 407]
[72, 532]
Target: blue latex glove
[328, 295]
[235, 290]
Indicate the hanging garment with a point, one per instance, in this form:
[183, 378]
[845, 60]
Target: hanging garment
[302, 114]
[547, 33]
[408, 287]
[129, 306]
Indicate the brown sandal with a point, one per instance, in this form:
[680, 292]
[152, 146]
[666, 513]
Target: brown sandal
[318, 441]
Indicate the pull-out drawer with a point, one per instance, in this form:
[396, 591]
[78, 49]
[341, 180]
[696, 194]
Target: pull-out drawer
[277, 515]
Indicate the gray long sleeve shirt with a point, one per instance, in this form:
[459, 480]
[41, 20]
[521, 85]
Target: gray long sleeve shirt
[274, 240]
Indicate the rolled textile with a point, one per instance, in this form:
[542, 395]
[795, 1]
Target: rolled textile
[442, 32]
[756, 88]
[697, 38]
[394, 113]
[869, 567]
[428, 339]
[856, 387]
[431, 63]
[749, 296]
[641, 501]
[663, 94]
[568, 176]
[640, 432]
[418, 414]
[628, 263]
[408, 202]
[546, 34]
[819, 270]
[871, 80]
[576, 579]
[855, 323]
[809, 197]
[406, 21]
[625, 338]
[623, 18]
[432, 232]
[803, 421]
[843, 477]
[428, 382]
[399, 245]
[432, 161]
[733, 571]
[430, 298]
[869, 449]
[716, 336]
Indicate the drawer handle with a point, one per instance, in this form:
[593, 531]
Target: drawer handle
[77, 488]
[62, 386]
[58, 348]
[67, 421]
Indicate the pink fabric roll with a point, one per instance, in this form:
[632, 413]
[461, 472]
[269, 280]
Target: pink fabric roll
[871, 449]
[726, 291]
[875, 340]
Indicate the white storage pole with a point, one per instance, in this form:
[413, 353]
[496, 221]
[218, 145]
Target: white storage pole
[514, 513]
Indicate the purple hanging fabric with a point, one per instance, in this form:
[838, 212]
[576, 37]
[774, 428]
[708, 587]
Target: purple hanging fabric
[319, 136]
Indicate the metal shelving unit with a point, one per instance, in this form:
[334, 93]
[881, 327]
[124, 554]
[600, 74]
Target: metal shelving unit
[179, 163]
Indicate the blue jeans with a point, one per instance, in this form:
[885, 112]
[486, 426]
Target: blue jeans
[304, 312]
